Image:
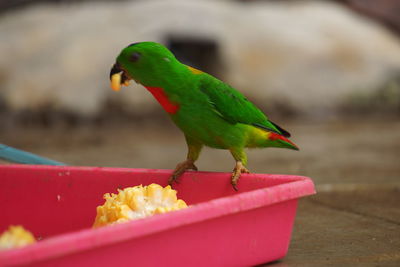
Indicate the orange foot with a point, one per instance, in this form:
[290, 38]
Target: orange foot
[237, 171]
[180, 169]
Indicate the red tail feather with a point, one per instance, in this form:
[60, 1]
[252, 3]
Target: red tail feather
[275, 136]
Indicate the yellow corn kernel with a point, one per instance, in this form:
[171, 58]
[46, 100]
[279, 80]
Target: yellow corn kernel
[116, 81]
[137, 202]
[16, 236]
[154, 192]
[180, 204]
[169, 195]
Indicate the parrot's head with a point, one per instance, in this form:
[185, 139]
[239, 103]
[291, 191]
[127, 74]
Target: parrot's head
[143, 62]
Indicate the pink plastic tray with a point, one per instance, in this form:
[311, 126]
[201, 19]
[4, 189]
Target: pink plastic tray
[222, 228]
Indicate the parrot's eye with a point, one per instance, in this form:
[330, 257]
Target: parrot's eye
[134, 57]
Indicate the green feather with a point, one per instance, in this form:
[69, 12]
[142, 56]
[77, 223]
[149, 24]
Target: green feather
[233, 106]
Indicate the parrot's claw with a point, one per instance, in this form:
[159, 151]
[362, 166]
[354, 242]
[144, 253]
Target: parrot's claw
[237, 171]
[180, 169]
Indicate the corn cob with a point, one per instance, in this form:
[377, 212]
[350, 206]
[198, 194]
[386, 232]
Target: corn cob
[137, 202]
[16, 236]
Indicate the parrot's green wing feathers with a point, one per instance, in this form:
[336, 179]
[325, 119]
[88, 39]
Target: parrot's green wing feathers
[232, 106]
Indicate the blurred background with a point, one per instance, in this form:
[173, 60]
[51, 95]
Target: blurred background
[328, 71]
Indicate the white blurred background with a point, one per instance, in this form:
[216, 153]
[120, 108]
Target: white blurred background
[297, 58]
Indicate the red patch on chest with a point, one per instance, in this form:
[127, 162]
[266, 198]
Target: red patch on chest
[162, 98]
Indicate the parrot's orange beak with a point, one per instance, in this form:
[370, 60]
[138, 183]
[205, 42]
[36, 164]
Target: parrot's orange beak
[118, 77]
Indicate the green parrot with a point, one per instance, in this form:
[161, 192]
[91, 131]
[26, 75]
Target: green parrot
[208, 111]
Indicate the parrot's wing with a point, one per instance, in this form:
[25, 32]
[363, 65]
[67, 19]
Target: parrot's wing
[232, 106]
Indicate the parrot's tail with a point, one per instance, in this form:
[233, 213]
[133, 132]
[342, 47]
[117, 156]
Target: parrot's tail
[281, 141]
[261, 138]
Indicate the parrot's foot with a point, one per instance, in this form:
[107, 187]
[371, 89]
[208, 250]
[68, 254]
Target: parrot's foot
[180, 169]
[237, 171]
